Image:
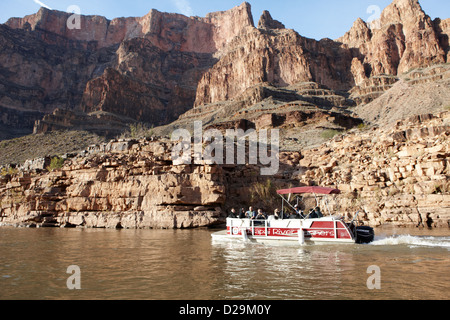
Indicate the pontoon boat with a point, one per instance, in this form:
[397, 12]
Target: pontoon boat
[309, 228]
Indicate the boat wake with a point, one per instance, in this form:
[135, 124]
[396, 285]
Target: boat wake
[414, 241]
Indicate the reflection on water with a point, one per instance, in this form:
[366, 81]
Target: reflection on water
[186, 264]
[263, 272]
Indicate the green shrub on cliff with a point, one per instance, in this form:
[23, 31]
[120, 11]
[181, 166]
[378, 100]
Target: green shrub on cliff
[56, 164]
[8, 171]
[138, 130]
[329, 134]
[442, 188]
[263, 195]
[362, 126]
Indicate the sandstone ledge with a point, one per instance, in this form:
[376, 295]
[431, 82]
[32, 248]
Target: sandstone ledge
[396, 176]
[122, 184]
[393, 176]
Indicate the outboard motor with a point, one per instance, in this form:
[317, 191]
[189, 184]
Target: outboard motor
[364, 234]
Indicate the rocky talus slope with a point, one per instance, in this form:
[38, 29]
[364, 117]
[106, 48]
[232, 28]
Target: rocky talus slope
[423, 90]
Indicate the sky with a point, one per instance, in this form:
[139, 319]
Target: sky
[313, 19]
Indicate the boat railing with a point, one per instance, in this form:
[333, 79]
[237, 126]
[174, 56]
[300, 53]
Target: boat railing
[250, 224]
[260, 228]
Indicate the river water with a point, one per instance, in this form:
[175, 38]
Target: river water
[187, 265]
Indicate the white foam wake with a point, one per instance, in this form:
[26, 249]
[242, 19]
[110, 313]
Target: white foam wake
[443, 242]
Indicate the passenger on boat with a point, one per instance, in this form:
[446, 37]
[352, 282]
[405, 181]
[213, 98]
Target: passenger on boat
[261, 215]
[318, 212]
[250, 214]
[295, 215]
[242, 214]
[315, 213]
[276, 214]
[232, 214]
[298, 212]
[285, 215]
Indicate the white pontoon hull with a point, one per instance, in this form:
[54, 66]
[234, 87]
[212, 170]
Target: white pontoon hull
[295, 231]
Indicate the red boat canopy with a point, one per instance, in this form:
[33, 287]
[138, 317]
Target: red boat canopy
[317, 190]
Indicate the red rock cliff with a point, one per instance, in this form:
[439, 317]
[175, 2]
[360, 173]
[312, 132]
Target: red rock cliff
[402, 39]
[166, 30]
[156, 67]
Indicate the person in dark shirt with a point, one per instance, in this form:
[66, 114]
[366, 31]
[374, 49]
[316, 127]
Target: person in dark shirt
[232, 214]
[318, 212]
[261, 215]
[313, 214]
[242, 214]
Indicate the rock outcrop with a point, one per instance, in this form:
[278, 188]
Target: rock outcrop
[123, 184]
[167, 31]
[396, 176]
[267, 22]
[404, 38]
[280, 57]
[442, 28]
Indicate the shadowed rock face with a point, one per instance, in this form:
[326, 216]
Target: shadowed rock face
[156, 67]
[143, 69]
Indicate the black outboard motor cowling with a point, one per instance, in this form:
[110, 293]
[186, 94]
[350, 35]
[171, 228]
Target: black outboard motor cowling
[364, 234]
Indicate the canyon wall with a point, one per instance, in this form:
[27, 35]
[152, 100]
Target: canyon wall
[155, 68]
[168, 69]
[123, 184]
[141, 69]
[404, 38]
[397, 176]
[393, 176]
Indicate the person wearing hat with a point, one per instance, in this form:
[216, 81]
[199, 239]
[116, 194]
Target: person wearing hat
[298, 212]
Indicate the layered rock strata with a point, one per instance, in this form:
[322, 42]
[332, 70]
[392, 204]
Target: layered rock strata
[404, 38]
[120, 185]
[144, 69]
[156, 67]
[397, 176]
